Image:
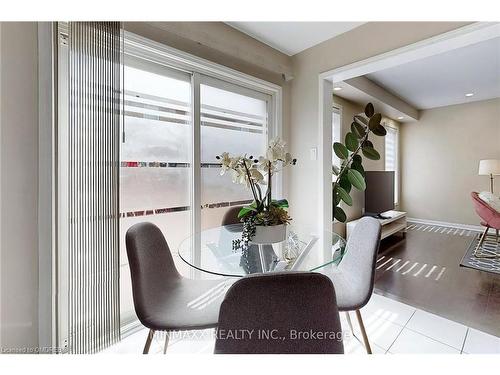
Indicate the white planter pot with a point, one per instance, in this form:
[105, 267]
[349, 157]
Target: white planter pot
[269, 234]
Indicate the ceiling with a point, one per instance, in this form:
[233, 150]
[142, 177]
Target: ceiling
[293, 37]
[358, 96]
[444, 79]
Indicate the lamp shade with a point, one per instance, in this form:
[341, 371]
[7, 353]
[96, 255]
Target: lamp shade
[489, 167]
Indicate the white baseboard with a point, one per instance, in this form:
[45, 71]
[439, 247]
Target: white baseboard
[476, 228]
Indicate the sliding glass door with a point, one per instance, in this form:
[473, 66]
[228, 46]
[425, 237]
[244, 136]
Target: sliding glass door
[155, 173]
[175, 123]
[234, 120]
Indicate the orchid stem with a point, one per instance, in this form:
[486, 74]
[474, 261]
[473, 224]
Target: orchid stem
[250, 181]
[269, 186]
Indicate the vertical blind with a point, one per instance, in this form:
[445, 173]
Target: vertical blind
[391, 156]
[390, 149]
[94, 74]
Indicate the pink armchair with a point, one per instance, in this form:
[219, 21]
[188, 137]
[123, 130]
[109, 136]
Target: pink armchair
[490, 218]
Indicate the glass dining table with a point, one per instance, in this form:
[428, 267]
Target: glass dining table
[213, 251]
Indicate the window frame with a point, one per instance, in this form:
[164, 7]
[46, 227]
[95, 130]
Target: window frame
[146, 49]
[337, 133]
[202, 70]
[142, 51]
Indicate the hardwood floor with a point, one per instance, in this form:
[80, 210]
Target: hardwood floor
[423, 270]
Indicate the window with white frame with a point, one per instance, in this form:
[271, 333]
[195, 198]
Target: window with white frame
[391, 157]
[179, 114]
[336, 130]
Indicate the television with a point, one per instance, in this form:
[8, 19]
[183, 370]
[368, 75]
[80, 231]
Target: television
[379, 193]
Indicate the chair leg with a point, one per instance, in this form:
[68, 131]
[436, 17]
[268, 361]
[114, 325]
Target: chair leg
[363, 332]
[148, 341]
[481, 240]
[167, 337]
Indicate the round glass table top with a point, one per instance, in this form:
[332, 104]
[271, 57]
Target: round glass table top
[212, 251]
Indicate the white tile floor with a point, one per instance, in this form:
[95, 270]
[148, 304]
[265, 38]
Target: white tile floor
[393, 328]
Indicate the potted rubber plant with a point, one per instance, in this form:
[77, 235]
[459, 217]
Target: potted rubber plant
[351, 173]
[265, 219]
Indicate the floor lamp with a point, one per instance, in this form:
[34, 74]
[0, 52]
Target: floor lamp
[489, 167]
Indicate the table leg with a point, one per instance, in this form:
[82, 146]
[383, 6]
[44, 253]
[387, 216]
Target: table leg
[262, 259]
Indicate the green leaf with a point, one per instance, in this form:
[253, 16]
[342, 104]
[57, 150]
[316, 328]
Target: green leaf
[357, 159]
[336, 198]
[361, 120]
[351, 142]
[374, 121]
[344, 195]
[369, 110]
[340, 150]
[282, 203]
[380, 131]
[359, 168]
[344, 183]
[356, 179]
[367, 143]
[370, 153]
[335, 170]
[339, 214]
[358, 129]
[245, 211]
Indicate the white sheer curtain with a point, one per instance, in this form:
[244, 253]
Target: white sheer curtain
[92, 133]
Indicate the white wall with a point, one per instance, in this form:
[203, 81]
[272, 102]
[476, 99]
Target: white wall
[361, 43]
[440, 159]
[19, 185]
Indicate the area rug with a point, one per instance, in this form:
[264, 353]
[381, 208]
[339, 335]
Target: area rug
[490, 247]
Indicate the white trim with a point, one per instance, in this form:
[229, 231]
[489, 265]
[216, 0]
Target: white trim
[144, 48]
[476, 228]
[460, 37]
[195, 171]
[46, 228]
[61, 88]
[337, 137]
[1, 327]
[324, 155]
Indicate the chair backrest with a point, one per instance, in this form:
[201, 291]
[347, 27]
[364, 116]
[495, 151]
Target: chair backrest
[152, 267]
[260, 310]
[231, 216]
[488, 215]
[361, 257]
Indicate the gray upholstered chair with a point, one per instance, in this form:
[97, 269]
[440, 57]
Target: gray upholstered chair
[265, 308]
[163, 299]
[231, 216]
[354, 278]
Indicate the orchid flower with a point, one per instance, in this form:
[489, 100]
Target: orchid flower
[254, 172]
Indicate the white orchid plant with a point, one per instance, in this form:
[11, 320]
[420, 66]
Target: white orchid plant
[256, 174]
